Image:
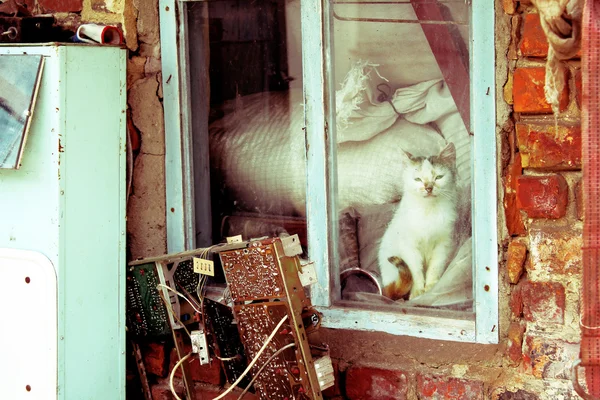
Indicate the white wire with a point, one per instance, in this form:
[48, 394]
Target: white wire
[281, 350]
[179, 294]
[173, 374]
[264, 346]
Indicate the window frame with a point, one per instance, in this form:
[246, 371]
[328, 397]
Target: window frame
[482, 326]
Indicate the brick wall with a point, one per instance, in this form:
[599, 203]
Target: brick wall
[540, 214]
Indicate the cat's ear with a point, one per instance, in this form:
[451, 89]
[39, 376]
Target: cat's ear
[409, 155]
[448, 154]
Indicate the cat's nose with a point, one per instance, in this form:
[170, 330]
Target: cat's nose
[429, 189]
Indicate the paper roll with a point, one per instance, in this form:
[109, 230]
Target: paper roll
[103, 34]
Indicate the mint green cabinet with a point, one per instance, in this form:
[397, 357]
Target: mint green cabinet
[67, 202]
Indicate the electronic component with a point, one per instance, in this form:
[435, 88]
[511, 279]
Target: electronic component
[325, 372]
[226, 340]
[263, 278]
[200, 346]
[146, 313]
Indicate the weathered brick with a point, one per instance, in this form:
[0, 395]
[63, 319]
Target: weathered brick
[534, 42]
[514, 346]
[155, 359]
[543, 196]
[438, 388]
[543, 302]
[61, 5]
[512, 54]
[509, 6]
[542, 146]
[554, 251]
[514, 222]
[548, 358]
[365, 383]
[515, 257]
[515, 303]
[208, 373]
[518, 394]
[162, 392]
[528, 91]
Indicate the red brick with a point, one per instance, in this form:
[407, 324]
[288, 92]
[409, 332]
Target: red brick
[578, 87]
[543, 196]
[543, 302]
[208, 373]
[61, 5]
[515, 258]
[436, 387]
[548, 358]
[555, 251]
[534, 42]
[542, 146]
[29, 4]
[155, 359]
[509, 6]
[161, 391]
[514, 348]
[514, 222]
[365, 383]
[528, 91]
[519, 394]
[515, 303]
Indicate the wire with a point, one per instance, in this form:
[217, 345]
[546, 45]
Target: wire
[254, 360]
[179, 294]
[172, 312]
[281, 350]
[173, 374]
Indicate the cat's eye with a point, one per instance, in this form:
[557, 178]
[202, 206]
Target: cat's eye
[418, 180]
[439, 177]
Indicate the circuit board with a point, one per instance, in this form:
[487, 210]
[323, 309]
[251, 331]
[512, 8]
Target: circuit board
[254, 273]
[184, 275]
[285, 377]
[263, 278]
[226, 339]
[146, 313]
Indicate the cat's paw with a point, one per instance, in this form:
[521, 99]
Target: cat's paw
[430, 285]
[416, 292]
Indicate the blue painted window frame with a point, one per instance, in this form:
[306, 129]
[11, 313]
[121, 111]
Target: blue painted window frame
[482, 326]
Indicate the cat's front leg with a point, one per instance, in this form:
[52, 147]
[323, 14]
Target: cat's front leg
[437, 264]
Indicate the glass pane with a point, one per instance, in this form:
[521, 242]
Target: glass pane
[247, 114]
[401, 74]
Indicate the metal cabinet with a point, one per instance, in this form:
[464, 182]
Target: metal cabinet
[66, 204]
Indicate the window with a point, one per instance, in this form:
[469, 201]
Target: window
[355, 124]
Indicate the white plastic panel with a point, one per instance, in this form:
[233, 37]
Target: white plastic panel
[28, 356]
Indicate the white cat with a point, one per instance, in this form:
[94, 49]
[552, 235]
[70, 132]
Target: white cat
[421, 234]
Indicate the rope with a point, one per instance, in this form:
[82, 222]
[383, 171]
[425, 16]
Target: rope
[561, 22]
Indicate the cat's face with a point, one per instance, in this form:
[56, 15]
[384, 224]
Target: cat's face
[433, 176]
